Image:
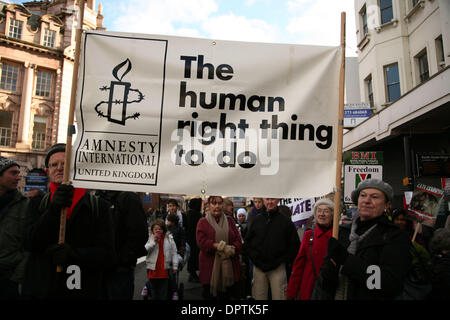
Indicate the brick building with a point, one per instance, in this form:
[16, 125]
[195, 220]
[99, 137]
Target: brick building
[37, 44]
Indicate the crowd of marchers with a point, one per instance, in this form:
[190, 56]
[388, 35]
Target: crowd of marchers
[255, 252]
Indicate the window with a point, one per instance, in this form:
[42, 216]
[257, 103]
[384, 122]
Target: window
[9, 77]
[15, 28]
[386, 11]
[43, 84]
[5, 128]
[369, 90]
[414, 3]
[49, 38]
[440, 52]
[39, 129]
[422, 62]
[392, 82]
[363, 15]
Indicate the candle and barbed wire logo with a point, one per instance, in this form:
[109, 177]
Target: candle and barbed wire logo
[119, 94]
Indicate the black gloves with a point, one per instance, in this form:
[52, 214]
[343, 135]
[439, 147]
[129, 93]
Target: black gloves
[336, 251]
[62, 254]
[62, 198]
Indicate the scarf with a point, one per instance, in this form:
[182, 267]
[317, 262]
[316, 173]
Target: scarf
[355, 240]
[6, 198]
[222, 272]
[78, 193]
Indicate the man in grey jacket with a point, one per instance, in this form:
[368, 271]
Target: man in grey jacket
[12, 216]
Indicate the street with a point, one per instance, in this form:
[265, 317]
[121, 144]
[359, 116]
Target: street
[192, 290]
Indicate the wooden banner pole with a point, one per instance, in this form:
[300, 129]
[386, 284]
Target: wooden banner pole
[338, 191]
[416, 231]
[70, 131]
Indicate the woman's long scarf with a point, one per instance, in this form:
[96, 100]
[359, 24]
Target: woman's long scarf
[222, 272]
[355, 240]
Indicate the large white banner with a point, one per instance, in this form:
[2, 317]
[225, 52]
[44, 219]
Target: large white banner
[196, 116]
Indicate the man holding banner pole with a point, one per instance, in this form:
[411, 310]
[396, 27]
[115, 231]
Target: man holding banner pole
[88, 246]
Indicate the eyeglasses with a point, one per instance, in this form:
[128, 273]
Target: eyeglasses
[323, 211]
[55, 165]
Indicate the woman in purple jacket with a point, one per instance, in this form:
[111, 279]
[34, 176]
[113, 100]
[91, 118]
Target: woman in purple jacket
[220, 244]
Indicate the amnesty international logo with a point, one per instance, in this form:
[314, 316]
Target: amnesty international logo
[121, 101]
[120, 93]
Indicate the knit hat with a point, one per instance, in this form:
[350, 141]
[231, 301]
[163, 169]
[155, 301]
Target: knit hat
[6, 163]
[374, 184]
[324, 201]
[59, 147]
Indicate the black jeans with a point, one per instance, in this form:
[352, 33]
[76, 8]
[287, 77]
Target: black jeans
[9, 290]
[231, 293]
[159, 289]
[120, 284]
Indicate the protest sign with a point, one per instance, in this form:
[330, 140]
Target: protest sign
[360, 166]
[302, 209]
[188, 116]
[425, 203]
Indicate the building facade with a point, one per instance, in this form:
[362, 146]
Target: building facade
[37, 44]
[404, 58]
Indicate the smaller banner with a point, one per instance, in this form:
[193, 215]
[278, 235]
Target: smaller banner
[36, 179]
[302, 209]
[355, 113]
[425, 203]
[360, 166]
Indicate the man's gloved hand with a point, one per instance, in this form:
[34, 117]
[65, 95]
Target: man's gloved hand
[62, 254]
[336, 251]
[62, 198]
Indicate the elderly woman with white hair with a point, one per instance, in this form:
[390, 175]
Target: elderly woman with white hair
[312, 252]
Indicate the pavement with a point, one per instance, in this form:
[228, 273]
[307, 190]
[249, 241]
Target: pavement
[192, 290]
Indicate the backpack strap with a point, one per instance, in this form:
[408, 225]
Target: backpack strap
[44, 201]
[94, 204]
[311, 238]
[92, 198]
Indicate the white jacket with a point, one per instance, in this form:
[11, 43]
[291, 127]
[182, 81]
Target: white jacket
[170, 252]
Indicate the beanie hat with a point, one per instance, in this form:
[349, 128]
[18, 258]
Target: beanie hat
[374, 184]
[324, 201]
[6, 163]
[59, 147]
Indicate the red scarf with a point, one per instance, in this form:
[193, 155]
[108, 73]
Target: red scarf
[160, 272]
[78, 193]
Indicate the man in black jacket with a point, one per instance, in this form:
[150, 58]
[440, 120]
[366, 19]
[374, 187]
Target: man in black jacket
[192, 217]
[131, 235]
[12, 216]
[271, 243]
[88, 248]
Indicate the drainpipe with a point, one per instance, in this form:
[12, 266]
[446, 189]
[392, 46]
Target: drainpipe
[408, 180]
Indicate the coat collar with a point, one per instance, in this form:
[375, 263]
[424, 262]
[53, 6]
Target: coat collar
[319, 231]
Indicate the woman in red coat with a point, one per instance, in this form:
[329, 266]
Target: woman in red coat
[303, 276]
[220, 244]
